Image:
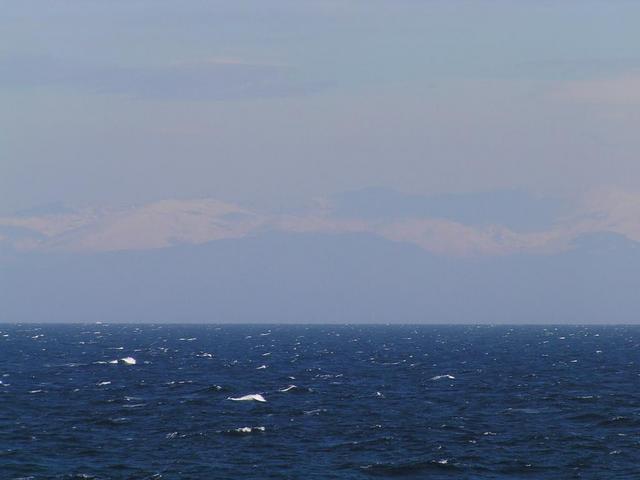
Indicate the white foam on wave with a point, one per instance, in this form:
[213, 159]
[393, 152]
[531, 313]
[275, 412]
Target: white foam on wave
[261, 367]
[440, 377]
[124, 361]
[103, 383]
[254, 397]
[250, 429]
[290, 387]
[317, 411]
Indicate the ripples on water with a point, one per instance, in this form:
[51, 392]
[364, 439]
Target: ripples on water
[350, 402]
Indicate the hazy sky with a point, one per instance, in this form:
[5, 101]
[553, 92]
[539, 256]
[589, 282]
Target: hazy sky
[274, 102]
[276, 160]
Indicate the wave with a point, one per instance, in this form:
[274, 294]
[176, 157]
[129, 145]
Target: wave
[440, 377]
[294, 389]
[409, 468]
[254, 397]
[245, 430]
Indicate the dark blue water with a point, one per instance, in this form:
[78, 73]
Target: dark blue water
[437, 402]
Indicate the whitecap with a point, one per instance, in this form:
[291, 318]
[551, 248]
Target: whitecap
[439, 377]
[128, 360]
[261, 367]
[256, 397]
[317, 411]
[290, 387]
[249, 429]
[103, 383]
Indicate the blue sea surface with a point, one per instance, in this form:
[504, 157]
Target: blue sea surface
[342, 402]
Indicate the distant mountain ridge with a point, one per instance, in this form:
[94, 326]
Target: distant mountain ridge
[474, 224]
[514, 209]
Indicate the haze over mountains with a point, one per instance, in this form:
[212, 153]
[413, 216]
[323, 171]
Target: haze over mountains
[368, 256]
[351, 161]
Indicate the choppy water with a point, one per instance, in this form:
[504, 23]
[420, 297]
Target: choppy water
[435, 402]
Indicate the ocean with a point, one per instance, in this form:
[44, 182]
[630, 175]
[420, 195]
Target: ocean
[113, 401]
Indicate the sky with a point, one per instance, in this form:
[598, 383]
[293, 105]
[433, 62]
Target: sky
[471, 130]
